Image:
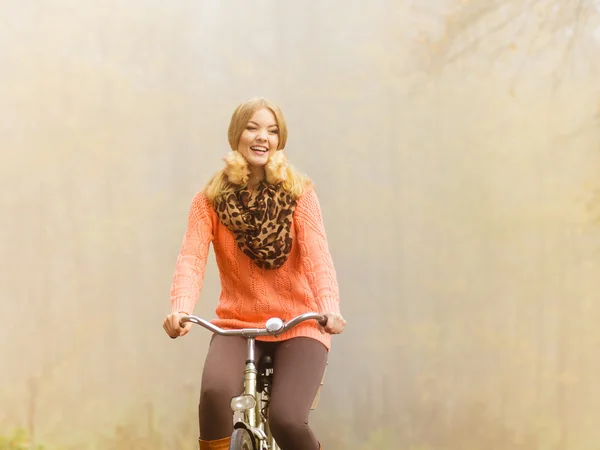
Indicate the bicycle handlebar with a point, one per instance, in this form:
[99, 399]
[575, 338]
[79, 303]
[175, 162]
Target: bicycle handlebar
[274, 326]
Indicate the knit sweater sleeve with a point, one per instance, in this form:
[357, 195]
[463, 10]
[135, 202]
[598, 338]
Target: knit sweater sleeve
[316, 258]
[191, 262]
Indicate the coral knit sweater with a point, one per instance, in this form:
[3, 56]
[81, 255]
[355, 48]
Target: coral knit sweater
[251, 295]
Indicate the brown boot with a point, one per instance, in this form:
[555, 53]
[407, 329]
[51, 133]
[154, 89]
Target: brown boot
[219, 444]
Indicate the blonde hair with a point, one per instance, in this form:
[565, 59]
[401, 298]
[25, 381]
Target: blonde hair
[294, 182]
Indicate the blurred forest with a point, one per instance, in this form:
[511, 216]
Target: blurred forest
[455, 145]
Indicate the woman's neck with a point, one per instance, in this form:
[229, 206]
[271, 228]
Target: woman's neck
[257, 174]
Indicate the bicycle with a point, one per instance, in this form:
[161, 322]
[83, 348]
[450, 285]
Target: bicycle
[251, 408]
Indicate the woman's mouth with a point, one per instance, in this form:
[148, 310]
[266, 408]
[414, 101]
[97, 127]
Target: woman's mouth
[259, 149]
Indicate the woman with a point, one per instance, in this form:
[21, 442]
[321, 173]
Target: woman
[264, 221]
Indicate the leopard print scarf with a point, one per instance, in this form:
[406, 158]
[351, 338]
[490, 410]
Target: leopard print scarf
[260, 222]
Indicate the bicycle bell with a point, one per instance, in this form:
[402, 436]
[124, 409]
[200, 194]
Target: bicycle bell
[274, 324]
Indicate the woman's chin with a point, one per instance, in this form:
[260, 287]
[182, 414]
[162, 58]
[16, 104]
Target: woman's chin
[258, 163]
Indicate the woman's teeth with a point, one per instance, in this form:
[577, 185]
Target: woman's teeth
[258, 149]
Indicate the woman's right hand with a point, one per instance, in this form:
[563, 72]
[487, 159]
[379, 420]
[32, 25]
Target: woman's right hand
[172, 325]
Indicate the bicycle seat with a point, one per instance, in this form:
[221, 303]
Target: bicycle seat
[265, 362]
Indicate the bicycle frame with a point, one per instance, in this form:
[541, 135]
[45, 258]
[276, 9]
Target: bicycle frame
[247, 408]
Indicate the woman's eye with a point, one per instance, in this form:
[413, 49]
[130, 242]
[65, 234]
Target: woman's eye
[250, 128]
[274, 131]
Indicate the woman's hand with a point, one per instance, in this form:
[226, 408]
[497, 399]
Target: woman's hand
[172, 325]
[335, 323]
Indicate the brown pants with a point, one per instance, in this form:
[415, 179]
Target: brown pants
[299, 364]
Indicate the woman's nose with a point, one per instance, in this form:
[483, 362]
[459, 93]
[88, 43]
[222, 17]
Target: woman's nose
[261, 136]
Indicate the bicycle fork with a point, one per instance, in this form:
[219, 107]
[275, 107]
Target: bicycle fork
[247, 408]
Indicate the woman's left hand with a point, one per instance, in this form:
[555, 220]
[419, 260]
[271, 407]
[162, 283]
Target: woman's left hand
[335, 323]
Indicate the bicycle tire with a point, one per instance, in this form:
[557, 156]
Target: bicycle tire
[241, 439]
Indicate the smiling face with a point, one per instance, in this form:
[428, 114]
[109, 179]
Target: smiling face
[260, 138]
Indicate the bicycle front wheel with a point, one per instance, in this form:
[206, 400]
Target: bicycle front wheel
[241, 439]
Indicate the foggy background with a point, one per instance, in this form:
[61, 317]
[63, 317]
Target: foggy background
[455, 149]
